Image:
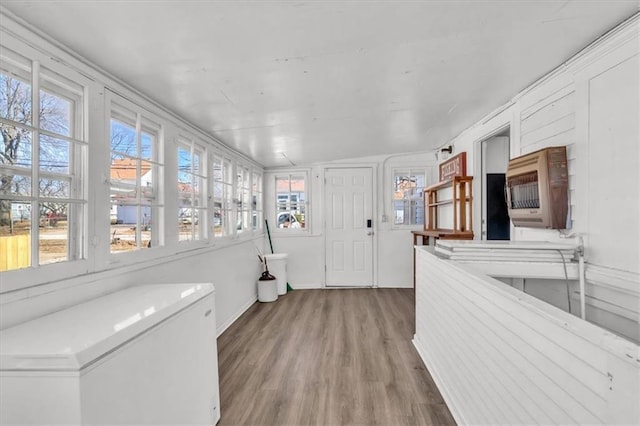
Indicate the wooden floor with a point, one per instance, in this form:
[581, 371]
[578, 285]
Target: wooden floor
[327, 357]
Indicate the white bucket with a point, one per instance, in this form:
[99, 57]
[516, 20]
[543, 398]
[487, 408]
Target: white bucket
[267, 290]
[277, 264]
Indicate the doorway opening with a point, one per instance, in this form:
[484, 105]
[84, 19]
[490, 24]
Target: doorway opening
[494, 161]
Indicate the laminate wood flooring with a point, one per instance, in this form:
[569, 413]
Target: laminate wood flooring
[327, 357]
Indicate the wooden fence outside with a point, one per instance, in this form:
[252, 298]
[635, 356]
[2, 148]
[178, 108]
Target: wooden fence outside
[15, 252]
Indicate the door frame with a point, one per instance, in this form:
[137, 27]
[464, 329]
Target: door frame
[484, 146]
[478, 187]
[374, 213]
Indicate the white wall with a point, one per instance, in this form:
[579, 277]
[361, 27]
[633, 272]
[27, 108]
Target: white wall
[502, 357]
[591, 105]
[233, 271]
[393, 246]
[230, 264]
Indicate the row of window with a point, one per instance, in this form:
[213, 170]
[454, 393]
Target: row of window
[44, 198]
[44, 201]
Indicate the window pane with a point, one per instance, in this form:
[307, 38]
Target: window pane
[147, 144]
[224, 222]
[54, 155]
[55, 188]
[184, 199]
[54, 233]
[123, 138]
[191, 196]
[124, 232]
[197, 167]
[290, 202]
[55, 113]
[218, 214]
[15, 98]
[198, 193]
[217, 189]
[15, 235]
[60, 106]
[297, 184]
[15, 184]
[123, 237]
[147, 191]
[125, 169]
[188, 224]
[17, 146]
[184, 162]
[407, 198]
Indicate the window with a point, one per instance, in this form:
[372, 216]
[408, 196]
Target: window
[52, 134]
[192, 211]
[408, 208]
[256, 202]
[135, 168]
[223, 223]
[291, 211]
[243, 187]
[42, 165]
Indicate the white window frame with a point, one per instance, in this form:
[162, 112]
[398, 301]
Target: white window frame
[274, 225]
[242, 198]
[223, 184]
[257, 201]
[92, 171]
[143, 121]
[198, 200]
[41, 74]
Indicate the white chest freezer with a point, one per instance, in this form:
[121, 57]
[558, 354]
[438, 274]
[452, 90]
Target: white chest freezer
[143, 355]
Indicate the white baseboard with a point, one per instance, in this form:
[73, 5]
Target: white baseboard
[221, 328]
[444, 391]
[308, 286]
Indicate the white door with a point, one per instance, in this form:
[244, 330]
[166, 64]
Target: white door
[349, 227]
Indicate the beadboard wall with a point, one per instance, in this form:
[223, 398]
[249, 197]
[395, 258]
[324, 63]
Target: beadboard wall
[500, 356]
[589, 104]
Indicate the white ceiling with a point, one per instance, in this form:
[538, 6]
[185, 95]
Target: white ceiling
[312, 81]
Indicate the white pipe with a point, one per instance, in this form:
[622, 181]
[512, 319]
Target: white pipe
[582, 279]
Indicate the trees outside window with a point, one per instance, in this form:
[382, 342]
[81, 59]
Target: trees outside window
[223, 217]
[42, 163]
[192, 177]
[243, 206]
[51, 133]
[134, 172]
[256, 202]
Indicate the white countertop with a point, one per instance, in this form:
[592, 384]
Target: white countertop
[72, 338]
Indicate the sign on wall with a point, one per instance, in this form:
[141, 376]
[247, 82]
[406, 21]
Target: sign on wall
[455, 166]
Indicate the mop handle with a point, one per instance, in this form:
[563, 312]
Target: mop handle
[268, 234]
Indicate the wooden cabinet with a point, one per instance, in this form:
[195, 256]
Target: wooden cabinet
[448, 208]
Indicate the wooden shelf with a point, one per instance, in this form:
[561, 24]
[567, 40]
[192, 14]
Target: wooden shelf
[462, 221]
[461, 200]
[444, 233]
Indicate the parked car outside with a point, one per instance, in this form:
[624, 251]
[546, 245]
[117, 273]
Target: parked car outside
[288, 220]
